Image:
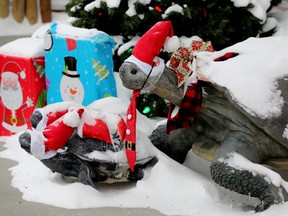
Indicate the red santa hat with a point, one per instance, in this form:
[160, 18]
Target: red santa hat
[44, 144]
[98, 126]
[52, 112]
[150, 44]
[12, 70]
[98, 130]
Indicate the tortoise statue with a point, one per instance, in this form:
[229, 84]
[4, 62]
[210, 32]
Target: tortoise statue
[222, 129]
[87, 154]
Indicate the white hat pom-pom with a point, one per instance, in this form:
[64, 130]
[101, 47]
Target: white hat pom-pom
[71, 119]
[171, 44]
[22, 74]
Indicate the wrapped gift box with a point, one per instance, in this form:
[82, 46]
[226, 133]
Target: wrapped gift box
[78, 64]
[22, 85]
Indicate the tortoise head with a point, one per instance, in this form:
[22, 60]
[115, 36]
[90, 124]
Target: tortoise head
[25, 138]
[134, 78]
[164, 85]
[25, 141]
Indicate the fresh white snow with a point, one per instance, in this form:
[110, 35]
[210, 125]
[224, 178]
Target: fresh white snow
[170, 187]
[251, 77]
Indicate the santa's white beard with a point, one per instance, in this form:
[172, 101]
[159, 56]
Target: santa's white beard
[12, 99]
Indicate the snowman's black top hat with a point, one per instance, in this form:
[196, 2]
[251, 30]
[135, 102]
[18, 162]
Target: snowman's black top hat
[71, 63]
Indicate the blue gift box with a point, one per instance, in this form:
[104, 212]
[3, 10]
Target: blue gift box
[79, 64]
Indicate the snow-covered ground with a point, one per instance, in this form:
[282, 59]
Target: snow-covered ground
[169, 187]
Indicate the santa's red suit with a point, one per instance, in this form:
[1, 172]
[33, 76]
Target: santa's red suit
[59, 121]
[14, 120]
[44, 144]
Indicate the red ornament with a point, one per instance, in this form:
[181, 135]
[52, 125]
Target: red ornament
[204, 12]
[157, 8]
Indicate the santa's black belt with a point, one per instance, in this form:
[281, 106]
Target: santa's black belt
[14, 120]
[130, 146]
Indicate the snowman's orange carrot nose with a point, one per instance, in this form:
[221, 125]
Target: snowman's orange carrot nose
[72, 91]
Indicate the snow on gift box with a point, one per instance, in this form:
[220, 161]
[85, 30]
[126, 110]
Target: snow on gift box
[79, 64]
[22, 86]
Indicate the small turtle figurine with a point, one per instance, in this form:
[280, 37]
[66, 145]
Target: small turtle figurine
[84, 143]
[221, 129]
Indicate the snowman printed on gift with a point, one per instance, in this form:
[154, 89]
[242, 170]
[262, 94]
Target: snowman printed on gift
[71, 88]
[12, 98]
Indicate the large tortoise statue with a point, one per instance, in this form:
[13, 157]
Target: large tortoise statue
[88, 156]
[225, 129]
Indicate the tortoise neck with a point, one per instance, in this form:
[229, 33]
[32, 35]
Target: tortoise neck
[167, 87]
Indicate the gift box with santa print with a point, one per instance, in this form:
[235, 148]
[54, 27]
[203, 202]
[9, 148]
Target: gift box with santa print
[79, 64]
[22, 83]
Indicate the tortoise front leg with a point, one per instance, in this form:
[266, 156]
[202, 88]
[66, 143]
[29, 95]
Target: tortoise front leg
[176, 145]
[247, 183]
[239, 176]
[70, 165]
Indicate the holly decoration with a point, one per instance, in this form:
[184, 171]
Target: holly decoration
[65, 68]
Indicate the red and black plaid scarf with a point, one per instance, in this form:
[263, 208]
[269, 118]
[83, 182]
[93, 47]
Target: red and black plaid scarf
[191, 103]
[190, 106]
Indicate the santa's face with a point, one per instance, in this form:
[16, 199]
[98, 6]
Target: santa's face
[71, 89]
[11, 93]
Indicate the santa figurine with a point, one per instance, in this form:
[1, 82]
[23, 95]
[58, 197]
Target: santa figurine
[12, 98]
[145, 56]
[45, 143]
[55, 128]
